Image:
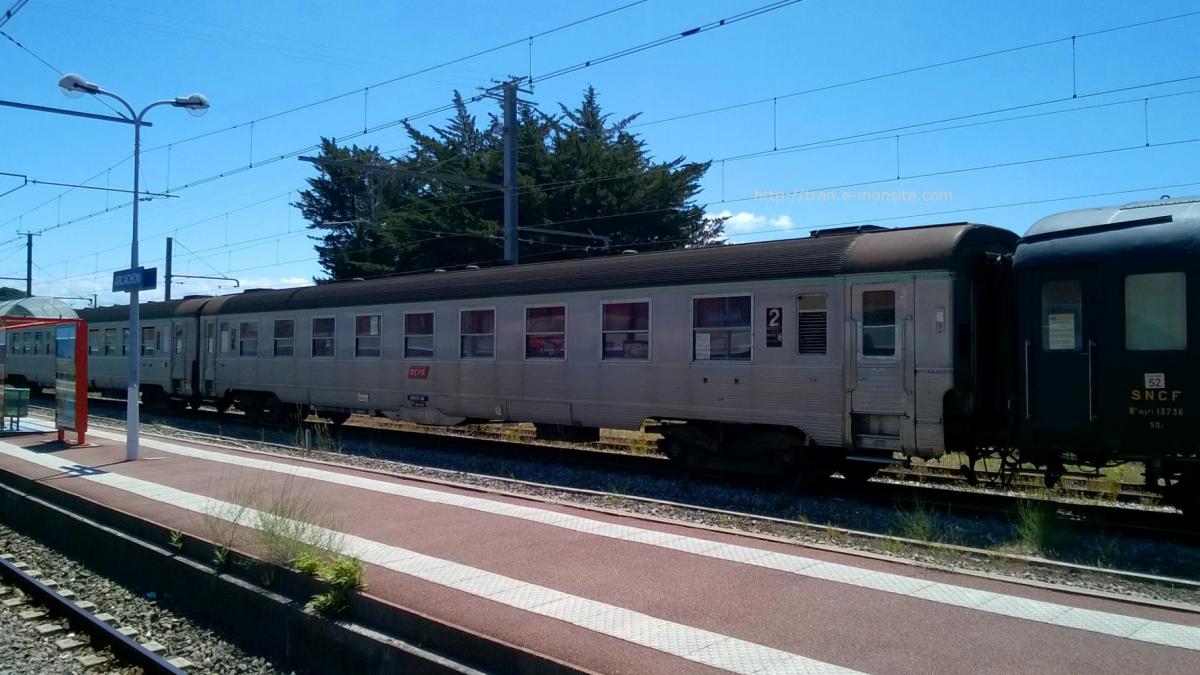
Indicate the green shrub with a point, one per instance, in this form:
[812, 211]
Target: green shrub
[344, 573]
[344, 576]
[308, 562]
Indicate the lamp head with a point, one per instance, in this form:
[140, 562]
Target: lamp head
[74, 86]
[195, 104]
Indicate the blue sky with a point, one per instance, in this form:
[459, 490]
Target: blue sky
[258, 58]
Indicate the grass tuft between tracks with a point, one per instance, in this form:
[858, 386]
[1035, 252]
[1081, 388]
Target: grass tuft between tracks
[1038, 528]
[918, 522]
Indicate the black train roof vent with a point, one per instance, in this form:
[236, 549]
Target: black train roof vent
[853, 229]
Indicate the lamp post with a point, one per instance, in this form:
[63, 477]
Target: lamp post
[74, 86]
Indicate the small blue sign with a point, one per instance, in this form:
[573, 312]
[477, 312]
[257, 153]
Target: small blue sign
[135, 279]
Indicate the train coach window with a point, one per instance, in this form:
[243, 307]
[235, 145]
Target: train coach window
[812, 322]
[323, 337]
[110, 341]
[545, 332]
[418, 335]
[626, 330]
[124, 341]
[1156, 311]
[26, 341]
[37, 342]
[149, 336]
[93, 341]
[477, 334]
[721, 328]
[878, 323]
[285, 337]
[368, 340]
[1062, 316]
[248, 339]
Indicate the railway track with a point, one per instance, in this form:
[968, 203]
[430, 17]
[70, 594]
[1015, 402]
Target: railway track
[941, 490]
[92, 640]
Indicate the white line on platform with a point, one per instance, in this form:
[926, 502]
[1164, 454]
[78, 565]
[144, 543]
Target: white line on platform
[1106, 623]
[687, 642]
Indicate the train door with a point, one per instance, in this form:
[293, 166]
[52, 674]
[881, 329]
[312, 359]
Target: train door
[1062, 351]
[208, 357]
[881, 402]
[178, 359]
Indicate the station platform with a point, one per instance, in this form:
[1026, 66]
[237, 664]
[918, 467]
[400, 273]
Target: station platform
[614, 594]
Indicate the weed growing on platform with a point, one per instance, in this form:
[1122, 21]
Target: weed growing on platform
[176, 540]
[291, 522]
[344, 576]
[221, 521]
[308, 562]
[221, 557]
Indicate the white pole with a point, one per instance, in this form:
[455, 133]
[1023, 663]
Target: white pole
[135, 333]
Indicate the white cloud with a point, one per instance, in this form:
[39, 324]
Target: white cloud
[744, 222]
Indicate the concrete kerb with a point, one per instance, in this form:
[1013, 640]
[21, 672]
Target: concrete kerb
[375, 635]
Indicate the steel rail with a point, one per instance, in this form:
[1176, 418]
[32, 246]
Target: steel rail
[122, 646]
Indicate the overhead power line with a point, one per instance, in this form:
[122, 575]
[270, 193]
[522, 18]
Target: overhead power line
[916, 69]
[399, 78]
[34, 181]
[869, 136]
[668, 39]
[12, 11]
[747, 14]
[328, 99]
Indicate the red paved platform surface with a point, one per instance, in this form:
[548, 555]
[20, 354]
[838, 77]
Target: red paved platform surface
[829, 622]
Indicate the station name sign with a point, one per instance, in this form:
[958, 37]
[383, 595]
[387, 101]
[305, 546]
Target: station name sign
[135, 279]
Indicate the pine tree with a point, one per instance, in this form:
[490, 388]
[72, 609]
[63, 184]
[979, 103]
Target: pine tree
[578, 171]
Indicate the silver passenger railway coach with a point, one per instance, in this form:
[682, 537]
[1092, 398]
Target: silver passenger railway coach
[851, 344]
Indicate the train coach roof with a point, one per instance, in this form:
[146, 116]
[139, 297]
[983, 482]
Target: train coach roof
[1160, 229]
[931, 247]
[934, 247]
[149, 311]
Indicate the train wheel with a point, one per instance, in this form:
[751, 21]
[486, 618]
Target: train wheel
[336, 418]
[858, 472]
[675, 449]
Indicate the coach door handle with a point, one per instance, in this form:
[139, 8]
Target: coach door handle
[1091, 386]
[852, 359]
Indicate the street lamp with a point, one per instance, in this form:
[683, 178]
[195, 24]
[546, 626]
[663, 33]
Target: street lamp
[74, 86]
